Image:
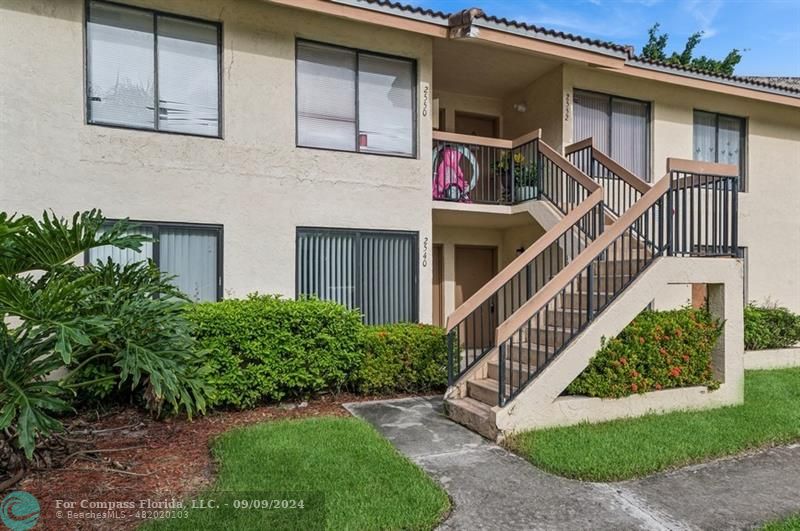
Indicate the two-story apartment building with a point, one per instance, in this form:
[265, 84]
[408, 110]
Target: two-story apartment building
[358, 150]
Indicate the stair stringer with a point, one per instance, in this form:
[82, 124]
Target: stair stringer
[540, 405]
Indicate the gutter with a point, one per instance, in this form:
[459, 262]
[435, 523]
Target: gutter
[712, 78]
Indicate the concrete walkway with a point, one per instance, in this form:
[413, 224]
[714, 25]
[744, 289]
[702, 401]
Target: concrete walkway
[494, 489]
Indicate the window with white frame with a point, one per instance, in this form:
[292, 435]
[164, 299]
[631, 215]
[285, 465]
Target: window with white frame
[353, 100]
[191, 253]
[619, 127]
[151, 70]
[721, 138]
[374, 271]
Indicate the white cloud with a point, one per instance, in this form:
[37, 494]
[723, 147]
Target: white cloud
[703, 12]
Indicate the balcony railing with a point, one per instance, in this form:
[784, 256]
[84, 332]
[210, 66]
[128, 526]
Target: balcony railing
[472, 169]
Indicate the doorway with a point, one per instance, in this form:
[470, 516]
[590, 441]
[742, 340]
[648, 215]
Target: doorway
[474, 267]
[477, 125]
[438, 285]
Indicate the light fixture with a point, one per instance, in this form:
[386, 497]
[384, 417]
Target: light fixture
[520, 107]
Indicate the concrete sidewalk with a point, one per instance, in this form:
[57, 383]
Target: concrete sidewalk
[495, 489]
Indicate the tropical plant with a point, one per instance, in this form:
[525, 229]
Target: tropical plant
[147, 346]
[515, 165]
[52, 317]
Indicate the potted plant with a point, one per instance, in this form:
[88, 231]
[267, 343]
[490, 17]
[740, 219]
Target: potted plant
[515, 170]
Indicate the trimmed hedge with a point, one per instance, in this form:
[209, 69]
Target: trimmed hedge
[767, 327]
[657, 350]
[403, 357]
[265, 348]
[268, 348]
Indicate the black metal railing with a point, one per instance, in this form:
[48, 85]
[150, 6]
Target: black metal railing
[704, 223]
[470, 172]
[474, 335]
[560, 183]
[532, 346]
[619, 193]
[696, 215]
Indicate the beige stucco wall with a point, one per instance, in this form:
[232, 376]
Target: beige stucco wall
[255, 182]
[543, 99]
[769, 225]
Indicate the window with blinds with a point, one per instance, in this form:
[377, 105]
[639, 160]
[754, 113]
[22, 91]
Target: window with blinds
[192, 254]
[351, 100]
[374, 271]
[720, 138]
[619, 127]
[149, 70]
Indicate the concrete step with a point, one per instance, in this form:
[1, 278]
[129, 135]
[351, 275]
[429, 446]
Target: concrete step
[516, 371]
[484, 390]
[473, 414]
[578, 299]
[564, 316]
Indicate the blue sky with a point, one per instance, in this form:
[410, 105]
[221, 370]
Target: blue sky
[769, 29]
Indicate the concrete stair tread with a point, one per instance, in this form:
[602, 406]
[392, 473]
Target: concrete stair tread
[476, 407]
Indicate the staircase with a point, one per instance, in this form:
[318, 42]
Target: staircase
[556, 289]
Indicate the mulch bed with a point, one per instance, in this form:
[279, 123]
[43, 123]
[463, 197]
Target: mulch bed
[142, 458]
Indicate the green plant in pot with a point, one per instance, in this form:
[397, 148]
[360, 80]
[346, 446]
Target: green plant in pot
[517, 171]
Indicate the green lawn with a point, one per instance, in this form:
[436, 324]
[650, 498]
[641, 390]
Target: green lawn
[348, 476]
[634, 447]
[790, 524]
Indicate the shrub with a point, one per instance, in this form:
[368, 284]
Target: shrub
[268, 348]
[657, 350]
[55, 315]
[146, 351]
[403, 357]
[768, 327]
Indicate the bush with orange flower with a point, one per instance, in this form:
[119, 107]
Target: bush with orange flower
[657, 350]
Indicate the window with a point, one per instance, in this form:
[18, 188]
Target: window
[148, 70]
[374, 271]
[619, 127]
[720, 138]
[192, 253]
[352, 100]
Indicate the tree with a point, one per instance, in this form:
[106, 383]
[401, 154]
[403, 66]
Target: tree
[657, 43]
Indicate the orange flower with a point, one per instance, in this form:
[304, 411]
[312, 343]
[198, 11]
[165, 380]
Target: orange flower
[658, 387]
[662, 351]
[675, 372]
[634, 387]
[623, 361]
[685, 357]
[641, 340]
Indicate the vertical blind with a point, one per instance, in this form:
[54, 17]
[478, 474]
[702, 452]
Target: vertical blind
[720, 138]
[619, 127]
[125, 256]
[189, 254]
[354, 101]
[135, 56]
[373, 271]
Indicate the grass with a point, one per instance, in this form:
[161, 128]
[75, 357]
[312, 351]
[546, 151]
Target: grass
[347, 474]
[790, 524]
[629, 448]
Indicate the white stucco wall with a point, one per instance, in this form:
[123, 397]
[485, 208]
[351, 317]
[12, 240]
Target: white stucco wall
[255, 182]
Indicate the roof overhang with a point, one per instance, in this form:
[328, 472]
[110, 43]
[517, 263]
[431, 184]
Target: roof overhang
[472, 24]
